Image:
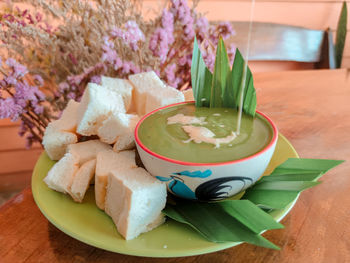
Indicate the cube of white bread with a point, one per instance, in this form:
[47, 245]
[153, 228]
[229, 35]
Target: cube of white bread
[86, 151]
[134, 200]
[81, 180]
[121, 86]
[69, 118]
[60, 133]
[55, 141]
[61, 175]
[188, 95]
[124, 142]
[105, 162]
[151, 93]
[162, 97]
[143, 83]
[96, 105]
[117, 125]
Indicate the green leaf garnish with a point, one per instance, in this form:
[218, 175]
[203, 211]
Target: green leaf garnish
[244, 220]
[214, 223]
[303, 165]
[201, 78]
[221, 72]
[222, 88]
[341, 35]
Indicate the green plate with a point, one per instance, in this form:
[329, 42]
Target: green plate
[90, 225]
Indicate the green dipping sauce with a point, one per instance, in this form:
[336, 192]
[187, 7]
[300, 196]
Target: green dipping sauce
[169, 140]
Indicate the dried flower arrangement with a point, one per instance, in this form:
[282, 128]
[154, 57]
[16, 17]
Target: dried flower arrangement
[55, 47]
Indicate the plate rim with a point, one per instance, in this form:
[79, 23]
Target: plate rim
[152, 253]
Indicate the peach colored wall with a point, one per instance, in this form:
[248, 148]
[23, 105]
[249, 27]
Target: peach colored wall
[15, 160]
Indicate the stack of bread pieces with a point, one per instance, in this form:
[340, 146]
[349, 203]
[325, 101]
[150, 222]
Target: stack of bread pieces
[128, 194]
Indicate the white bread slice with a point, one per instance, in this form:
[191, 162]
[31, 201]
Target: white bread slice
[188, 95]
[151, 93]
[117, 125]
[69, 118]
[107, 161]
[60, 133]
[162, 97]
[134, 200]
[125, 142]
[55, 141]
[81, 180]
[96, 105]
[86, 151]
[121, 86]
[61, 175]
[142, 82]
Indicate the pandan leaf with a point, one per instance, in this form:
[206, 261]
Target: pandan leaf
[223, 87]
[300, 166]
[221, 72]
[285, 185]
[244, 220]
[341, 35]
[272, 199]
[201, 78]
[291, 177]
[213, 222]
[235, 85]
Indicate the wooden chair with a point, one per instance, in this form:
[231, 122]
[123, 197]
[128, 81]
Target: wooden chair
[277, 42]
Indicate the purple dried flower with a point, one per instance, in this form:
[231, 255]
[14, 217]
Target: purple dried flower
[118, 64]
[131, 34]
[182, 13]
[159, 44]
[72, 96]
[38, 109]
[9, 109]
[22, 129]
[19, 70]
[96, 79]
[182, 61]
[30, 19]
[231, 51]
[109, 54]
[168, 25]
[29, 141]
[202, 25]
[226, 30]
[10, 80]
[38, 17]
[62, 87]
[39, 80]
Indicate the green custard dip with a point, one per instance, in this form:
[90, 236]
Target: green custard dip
[172, 141]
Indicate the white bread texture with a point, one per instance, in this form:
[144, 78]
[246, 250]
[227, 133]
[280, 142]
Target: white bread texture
[107, 161]
[60, 133]
[81, 180]
[125, 142]
[55, 141]
[120, 86]
[116, 126]
[61, 175]
[86, 151]
[188, 95]
[69, 118]
[151, 93]
[162, 97]
[96, 105]
[135, 200]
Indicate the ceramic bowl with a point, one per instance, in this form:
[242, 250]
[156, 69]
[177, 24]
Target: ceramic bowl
[206, 181]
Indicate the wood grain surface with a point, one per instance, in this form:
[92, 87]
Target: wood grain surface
[312, 109]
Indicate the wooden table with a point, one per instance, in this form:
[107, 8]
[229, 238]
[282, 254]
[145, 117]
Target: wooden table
[312, 109]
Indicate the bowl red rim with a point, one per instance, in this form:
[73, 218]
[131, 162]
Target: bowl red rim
[143, 147]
